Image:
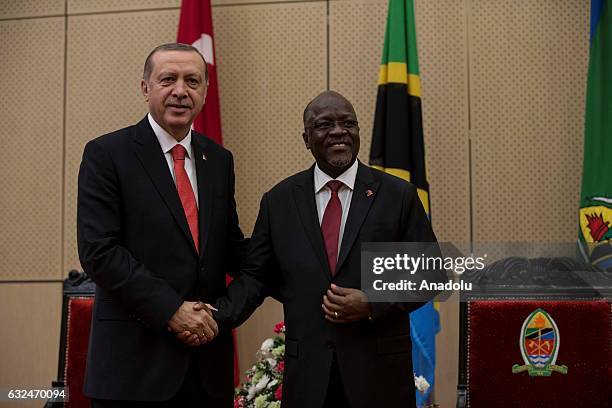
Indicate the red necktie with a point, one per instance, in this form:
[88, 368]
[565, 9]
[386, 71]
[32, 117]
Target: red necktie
[183, 185]
[330, 225]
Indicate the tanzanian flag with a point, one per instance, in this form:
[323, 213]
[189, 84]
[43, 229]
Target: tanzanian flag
[398, 148]
[397, 142]
[596, 195]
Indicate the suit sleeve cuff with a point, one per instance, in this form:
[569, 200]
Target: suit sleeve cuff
[162, 312]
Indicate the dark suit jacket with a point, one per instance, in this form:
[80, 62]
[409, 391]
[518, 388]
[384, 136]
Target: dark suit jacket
[134, 242]
[287, 256]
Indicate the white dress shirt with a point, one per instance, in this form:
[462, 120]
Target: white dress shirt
[167, 142]
[345, 193]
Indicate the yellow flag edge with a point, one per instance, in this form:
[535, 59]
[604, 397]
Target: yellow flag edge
[397, 73]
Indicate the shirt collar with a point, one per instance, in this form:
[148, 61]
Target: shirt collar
[347, 178]
[166, 141]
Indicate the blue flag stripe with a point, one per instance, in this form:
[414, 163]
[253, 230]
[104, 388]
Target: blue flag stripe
[596, 9]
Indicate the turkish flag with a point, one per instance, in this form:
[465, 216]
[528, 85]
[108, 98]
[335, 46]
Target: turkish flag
[195, 28]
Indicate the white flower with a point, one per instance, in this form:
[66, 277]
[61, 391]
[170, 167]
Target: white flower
[272, 383]
[260, 385]
[271, 362]
[262, 382]
[421, 383]
[251, 393]
[267, 345]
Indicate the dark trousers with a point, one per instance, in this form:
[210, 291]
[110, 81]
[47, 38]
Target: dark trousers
[336, 396]
[191, 395]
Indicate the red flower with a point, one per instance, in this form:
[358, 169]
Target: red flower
[280, 367]
[239, 402]
[279, 393]
[279, 328]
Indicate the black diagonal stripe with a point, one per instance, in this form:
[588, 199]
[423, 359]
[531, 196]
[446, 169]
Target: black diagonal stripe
[397, 140]
[538, 333]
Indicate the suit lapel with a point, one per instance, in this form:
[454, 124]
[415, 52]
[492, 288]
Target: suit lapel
[152, 158]
[204, 187]
[364, 194]
[303, 194]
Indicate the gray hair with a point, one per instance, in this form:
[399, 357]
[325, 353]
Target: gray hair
[148, 66]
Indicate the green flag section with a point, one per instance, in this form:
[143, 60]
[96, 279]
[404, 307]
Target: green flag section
[596, 196]
[397, 141]
[398, 148]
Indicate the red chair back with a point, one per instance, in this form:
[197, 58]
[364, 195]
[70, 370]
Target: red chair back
[577, 333]
[78, 326]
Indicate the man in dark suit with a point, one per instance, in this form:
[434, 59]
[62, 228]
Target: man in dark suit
[157, 231]
[341, 350]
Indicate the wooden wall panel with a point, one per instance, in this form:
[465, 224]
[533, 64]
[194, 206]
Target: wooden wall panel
[245, 2]
[30, 318]
[106, 6]
[528, 62]
[31, 113]
[11, 9]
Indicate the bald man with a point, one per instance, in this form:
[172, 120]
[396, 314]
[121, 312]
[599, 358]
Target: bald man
[341, 350]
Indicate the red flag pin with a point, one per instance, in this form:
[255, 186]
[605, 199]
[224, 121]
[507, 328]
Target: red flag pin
[369, 193]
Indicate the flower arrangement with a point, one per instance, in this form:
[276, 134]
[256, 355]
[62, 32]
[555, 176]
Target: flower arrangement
[263, 387]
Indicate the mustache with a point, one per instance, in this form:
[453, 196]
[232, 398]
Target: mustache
[178, 104]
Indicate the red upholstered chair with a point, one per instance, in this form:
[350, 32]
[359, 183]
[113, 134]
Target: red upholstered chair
[76, 324]
[547, 349]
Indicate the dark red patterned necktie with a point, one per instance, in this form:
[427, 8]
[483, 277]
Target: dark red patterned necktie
[330, 225]
[183, 185]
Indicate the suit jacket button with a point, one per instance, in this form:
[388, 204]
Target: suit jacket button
[202, 269]
[329, 344]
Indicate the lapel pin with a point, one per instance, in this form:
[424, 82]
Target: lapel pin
[204, 157]
[369, 193]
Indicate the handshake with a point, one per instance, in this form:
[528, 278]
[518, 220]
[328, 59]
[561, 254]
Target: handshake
[193, 323]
